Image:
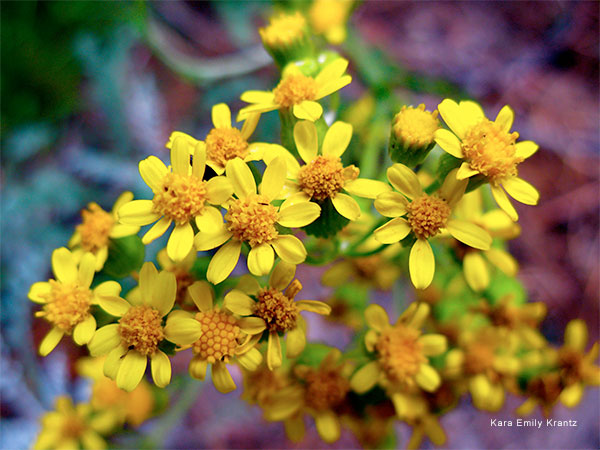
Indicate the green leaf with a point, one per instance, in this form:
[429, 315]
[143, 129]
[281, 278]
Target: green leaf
[125, 255]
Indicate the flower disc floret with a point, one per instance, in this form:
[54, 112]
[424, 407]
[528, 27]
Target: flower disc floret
[322, 178]
[491, 150]
[219, 338]
[294, 89]
[180, 198]
[400, 353]
[427, 214]
[95, 228]
[141, 329]
[283, 30]
[325, 388]
[252, 219]
[223, 144]
[66, 305]
[279, 312]
[416, 126]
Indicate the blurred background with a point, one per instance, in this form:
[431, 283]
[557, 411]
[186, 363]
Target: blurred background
[90, 88]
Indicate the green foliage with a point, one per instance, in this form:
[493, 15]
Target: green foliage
[125, 255]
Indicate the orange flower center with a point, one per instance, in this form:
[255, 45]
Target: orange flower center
[283, 30]
[294, 89]
[571, 365]
[223, 144]
[279, 311]
[490, 150]
[95, 228]
[325, 388]
[180, 198]
[427, 215]
[219, 338]
[324, 177]
[141, 329]
[66, 305]
[252, 219]
[415, 126]
[479, 358]
[400, 353]
[73, 427]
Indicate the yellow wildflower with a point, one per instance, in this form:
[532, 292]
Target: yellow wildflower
[67, 300]
[489, 149]
[223, 339]
[412, 136]
[97, 228]
[426, 216]
[274, 308]
[180, 196]
[252, 218]
[298, 92]
[328, 17]
[283, 30]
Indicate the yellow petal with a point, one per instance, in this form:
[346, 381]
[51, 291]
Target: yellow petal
[336, 139]
[50, 341]
[308, 110]
[180, 242]
[527, 407]
[471, 113]
[421, 264]
[427, 378]
[470, 234]
[289, 248]
[131, 370]
[115, 306]
[64, 266]
[274, 358]
[221, 116]
[346, 206]
[451, 114]
[241, 178]
[305, 137]
[257, 97]
[525, 149]
[157, 230]
[84, 331]
[572, 395]
[453, 189]
[260, 259]
[294, 425]
[87, 269]
[161, 369]
[576, 335]
[404, 180]
[377, 318]
[239, 303]
[433, 344]
[521, 190]
[197, 368]
[328, 426]
[365, 378]
[92, 441]
[503, 261]
[295, 342]
[113, 361]
[365, 188]
[164, 293]
[223, 262]
[137, 212]
[391, 204]
[207, 241]
[153, 171]
[210, 221]
[252, 325]
[476, 272]
[253, 109]
[180, 158]
[199, 160]
[218, 190]
[250, 360]
[333, 86]
[282, 275]
[449, 142]
[105, 339]
[182, 330]
[332, 71]
[273, 178]
[503, 202]
[38, 291]
[314, 306]
[465, 171]
[299, 214]
[393, 231]
[222, 378]
[250, 123]
[505, 118]
[202, 295]
[148, 275]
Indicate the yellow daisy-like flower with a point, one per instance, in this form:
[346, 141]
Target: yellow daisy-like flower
[97, 228]
[401, 353]
[298, 92]
[252, 218]
[67, 300]
[323, 176]
[223, 339]
[180, 196]
[426, 216]
[283, 30]
[139, 331]
[328, 17]
[224, 142]
[489, 149]
[73, 427]
[274, 309]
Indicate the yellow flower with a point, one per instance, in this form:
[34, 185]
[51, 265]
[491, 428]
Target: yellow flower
[274, 309]
[401, 353]
[67, 299]
[252, 218]
[224, 142]
[139, 331]
[328, 17]
[97, 228]
[133, 407]
[298, 92]
[415, 410]
[412, 136]
[426, 216]
[222, 338]
[72, 427]
[499, 225]
[180, 196]
[283, 30]
[489, 149]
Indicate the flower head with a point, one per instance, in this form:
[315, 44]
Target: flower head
[426, 216]
[328, 17]
[412, 135]
[180, 196]
[286, 38]
[488, 149]
[97, 228]
[299, 92]
[66, 301]
[251, 217]
[274, 309]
